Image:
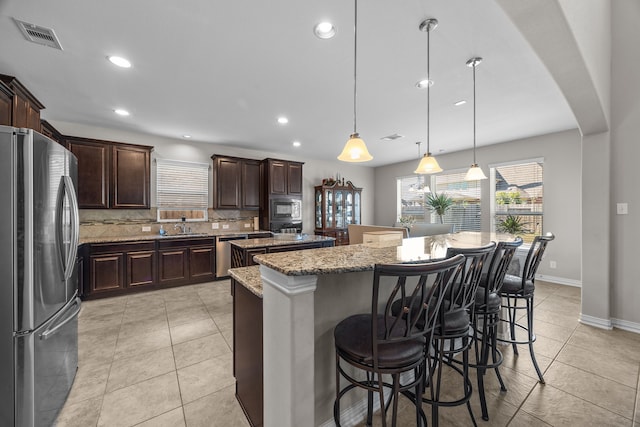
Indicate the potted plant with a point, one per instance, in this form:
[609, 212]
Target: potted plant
[439, 203]
[512, 224]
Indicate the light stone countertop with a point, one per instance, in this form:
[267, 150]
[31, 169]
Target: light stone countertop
[279, 240]
[150, 236]
[354, 258]
[249, 277]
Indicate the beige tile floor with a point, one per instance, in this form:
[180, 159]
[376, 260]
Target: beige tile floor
[163, 358]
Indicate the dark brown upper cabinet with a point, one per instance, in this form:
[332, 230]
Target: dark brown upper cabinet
[111, 175]
[236, 183]
[49, 131]
[282, 177]
[6, 104]
[25, 108]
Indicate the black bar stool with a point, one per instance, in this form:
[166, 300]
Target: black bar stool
[521, 288]
[487, 317]
[453, 335]
[381, 343]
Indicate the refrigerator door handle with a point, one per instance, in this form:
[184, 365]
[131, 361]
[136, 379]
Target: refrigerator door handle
[51, 331]
[70, 191]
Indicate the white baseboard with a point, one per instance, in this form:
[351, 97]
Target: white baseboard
[596, 322]
[626, 325]
[560, 280]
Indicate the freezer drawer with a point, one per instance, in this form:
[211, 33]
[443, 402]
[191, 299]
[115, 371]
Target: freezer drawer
[46, 364]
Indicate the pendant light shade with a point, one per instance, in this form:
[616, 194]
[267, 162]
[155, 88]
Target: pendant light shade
[428, 164]
[355, 149]
[475, 172]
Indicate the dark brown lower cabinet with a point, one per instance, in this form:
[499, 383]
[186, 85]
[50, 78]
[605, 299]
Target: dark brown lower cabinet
[112, 269]
[247, 352]
[141, 267]
[174, 267]
[107, 272]
[243, 257]
[201, 263]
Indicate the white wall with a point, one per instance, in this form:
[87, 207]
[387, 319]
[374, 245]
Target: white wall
[176, 149]
[625, 153]
[562, 182]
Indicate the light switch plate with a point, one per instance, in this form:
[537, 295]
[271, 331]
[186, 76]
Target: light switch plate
[225, 226]
[147, 228]
[622, 208]
[247, 225]
[215, 225]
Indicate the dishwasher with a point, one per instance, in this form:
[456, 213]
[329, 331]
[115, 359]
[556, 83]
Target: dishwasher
[223, 253]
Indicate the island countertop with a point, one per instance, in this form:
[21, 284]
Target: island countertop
[354, 258]
[279, 240]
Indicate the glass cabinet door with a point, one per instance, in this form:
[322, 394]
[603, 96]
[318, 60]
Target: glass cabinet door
[318, 208]
[356, 208]
[329, 208]
[348, 207]
[339, 210]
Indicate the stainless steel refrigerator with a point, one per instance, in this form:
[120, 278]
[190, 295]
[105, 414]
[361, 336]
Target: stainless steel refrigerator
[39, 304]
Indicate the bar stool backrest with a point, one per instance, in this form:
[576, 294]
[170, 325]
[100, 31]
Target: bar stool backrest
[500, 261]
[536, 251]
[463, 292]
[422, 287]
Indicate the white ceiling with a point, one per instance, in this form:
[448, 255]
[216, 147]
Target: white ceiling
[224, 71]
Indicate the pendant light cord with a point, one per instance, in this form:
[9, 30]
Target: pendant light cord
[474, 114]
[428, 89]
[355, 63]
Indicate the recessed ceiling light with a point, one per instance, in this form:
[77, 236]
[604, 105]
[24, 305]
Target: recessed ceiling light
[296, 144]
[119, 61]
[121, 112]
[324, 30]
[283, 120]
[459, 103]
[186, 136]
[423, 83]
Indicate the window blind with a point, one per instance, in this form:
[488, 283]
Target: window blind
[518, 191]
[465, 212]
[412, 198]
[182, 185]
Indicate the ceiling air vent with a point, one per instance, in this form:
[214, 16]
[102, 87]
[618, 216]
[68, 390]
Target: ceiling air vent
[392, 137]
[40, 35]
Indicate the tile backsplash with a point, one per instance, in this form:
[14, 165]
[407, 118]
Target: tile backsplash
[115, 223]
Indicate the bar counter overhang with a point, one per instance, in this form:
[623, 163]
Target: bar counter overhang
[305, 294]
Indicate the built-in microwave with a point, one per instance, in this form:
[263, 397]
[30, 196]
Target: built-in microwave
[286, 210]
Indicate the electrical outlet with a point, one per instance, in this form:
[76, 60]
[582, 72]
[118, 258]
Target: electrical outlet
[552, 264]
[247, 225]
[225, 226]
[215, 225]
[147, 228]
[622, 208]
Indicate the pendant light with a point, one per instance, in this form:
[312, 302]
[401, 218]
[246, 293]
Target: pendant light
[419, 187]
[428, 164]
[355, 149]
[475, 172]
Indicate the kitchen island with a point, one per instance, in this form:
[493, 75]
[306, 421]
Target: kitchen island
[305, 294]
[243, 251]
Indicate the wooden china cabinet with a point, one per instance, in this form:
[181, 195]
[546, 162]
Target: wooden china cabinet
[337, 204]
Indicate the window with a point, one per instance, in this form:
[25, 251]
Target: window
[464, 214]
[182, 190]
[411, 203]
[517, 194]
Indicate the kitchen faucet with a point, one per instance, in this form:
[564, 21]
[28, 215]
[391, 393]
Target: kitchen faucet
[182, 226]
